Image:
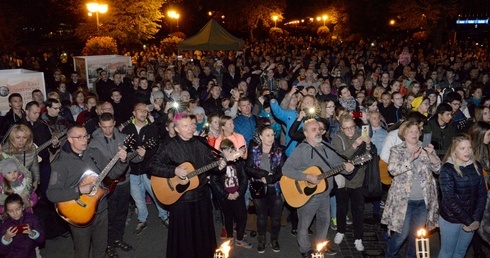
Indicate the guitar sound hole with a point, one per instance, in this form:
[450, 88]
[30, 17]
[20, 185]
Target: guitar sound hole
[309, 191]
[182, 188]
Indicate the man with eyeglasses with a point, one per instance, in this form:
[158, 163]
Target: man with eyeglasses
[459, 119]
[143, 131]
[52, 117]
[76, 159]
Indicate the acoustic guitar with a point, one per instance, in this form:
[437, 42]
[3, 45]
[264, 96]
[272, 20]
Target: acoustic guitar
[169, 190]
[81, 212]
[110, 183]
[297, 193]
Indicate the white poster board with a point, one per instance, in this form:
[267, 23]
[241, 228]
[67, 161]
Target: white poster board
[20, 81]
[86, 66]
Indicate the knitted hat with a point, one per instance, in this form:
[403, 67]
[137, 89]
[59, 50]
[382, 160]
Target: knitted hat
[157, 94]
[198, 110]
[416, 103]
[8, 165]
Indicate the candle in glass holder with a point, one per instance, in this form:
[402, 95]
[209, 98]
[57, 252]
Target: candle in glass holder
[223, 251]
[422, 246]
[320, 250]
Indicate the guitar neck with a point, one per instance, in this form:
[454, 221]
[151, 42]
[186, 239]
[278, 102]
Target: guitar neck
[203, 169]
[48, 143]
[106, 170]
[332, 172]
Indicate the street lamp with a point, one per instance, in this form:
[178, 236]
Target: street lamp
[173, 15]
[97, 8]
[274, 18]
[392, 22]
[324, 18]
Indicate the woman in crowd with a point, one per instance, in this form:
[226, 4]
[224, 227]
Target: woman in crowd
[79, 104]
[346, 100]
[227, 131]
[414, 87]
[347, 142]
[463, 198]
[482, 114]
[264, 164]
[20, 145]
[412, 199]
[421, 105]
[213, 128]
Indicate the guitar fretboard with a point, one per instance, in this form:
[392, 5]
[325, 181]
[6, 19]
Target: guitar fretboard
[46, 144]
[203, 169]
[105, 171]
[336, 170]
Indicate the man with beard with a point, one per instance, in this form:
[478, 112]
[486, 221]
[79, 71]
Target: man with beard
[312, 152]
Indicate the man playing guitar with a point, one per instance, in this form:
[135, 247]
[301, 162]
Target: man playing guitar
[75, 159]
[107, 139]
[312, 152]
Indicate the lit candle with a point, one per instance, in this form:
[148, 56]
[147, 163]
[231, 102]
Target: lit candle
[223, 251]
[320, 250]
[422, 247]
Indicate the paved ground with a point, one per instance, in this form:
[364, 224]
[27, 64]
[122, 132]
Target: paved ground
[152, 243]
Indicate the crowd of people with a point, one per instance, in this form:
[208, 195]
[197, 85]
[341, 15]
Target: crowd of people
[273, 110]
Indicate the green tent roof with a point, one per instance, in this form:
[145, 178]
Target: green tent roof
[212, 37]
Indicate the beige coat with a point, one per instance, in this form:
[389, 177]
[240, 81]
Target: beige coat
[402, 171]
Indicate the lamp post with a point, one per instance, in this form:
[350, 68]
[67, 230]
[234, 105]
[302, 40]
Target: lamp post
[173, 15]
[274, 18]
[97, 8]
[324, 18]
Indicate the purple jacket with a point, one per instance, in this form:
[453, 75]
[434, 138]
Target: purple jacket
[22, 245]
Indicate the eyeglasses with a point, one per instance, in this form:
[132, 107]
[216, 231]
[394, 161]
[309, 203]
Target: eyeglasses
[82, 137]
[349, 128]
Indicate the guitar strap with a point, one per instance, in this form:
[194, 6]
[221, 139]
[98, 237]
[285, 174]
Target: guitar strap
[323, 158]
[213, 150]
[95, 162]
[344, 158]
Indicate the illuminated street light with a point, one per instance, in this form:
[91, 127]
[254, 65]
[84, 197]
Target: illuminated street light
[173, 15]
[318, 18]
[97, 8]
[392, 22]
[274, 18]
[324, 18]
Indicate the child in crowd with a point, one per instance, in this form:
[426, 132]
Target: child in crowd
[21, 232]
[13, 180]
[230, 189]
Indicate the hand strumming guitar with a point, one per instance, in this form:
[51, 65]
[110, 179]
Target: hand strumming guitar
[181, 172]
[312, 179]
[85, 189]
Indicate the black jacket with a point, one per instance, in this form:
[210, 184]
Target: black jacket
[147, 132]
[218, 182]
[463, 198]
[177, 151]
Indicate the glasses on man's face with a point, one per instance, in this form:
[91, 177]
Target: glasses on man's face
[350, 128]
[82, 137]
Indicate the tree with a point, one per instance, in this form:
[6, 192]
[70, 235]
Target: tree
[130, 23]
[249, 14]
[422, 15]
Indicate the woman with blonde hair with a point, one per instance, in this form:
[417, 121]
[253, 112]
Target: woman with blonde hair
[463, 198]
[227, 131]
[412, 198]
[20, 145]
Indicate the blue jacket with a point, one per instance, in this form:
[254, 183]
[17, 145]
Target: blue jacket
[463, 198]
[288, 117]
[245, 126]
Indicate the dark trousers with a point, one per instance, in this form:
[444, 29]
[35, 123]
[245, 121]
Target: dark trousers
[270, 205]
[235, 211]
[94, 235]
[118, 212]
[293, 216]
[44, 174]
[354, 197]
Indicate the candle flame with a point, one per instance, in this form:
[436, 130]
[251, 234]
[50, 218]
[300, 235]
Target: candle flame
[421, 233]
[225, 248]
[320, 246]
